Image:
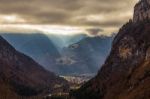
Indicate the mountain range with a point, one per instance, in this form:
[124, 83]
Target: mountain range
[64, 55]
[85, 56]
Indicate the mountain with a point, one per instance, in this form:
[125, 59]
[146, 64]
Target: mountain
[62, 41]
[21, 76]
[85, 56]
[38, 46]
[126, 72]
[58, 54]
[43, 48]
[142, 11]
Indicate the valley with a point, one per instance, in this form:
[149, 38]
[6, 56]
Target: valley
[63, 59]
[74, 49]
[74, 75]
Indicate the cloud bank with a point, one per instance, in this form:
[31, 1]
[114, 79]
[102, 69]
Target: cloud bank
[106, 14]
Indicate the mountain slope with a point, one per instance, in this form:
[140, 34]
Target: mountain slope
[85, 56]
[36, 45]
[20, 75]
[47, 51]
[43, 48]
[126, 72]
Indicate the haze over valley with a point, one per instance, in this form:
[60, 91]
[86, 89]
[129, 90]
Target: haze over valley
[63, 54]
[74, 49]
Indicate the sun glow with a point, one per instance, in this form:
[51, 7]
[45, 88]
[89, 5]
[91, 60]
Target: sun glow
[53, 29]
[47, 29]
[11, 19]
[17, 24]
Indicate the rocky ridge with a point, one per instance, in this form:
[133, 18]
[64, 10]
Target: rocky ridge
[126, 72]
[142, 11]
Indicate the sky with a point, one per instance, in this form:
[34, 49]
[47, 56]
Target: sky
[65, 16]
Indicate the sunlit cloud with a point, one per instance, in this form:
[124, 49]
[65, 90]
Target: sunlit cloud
[57, 29]
[11, 19]
[47, 29]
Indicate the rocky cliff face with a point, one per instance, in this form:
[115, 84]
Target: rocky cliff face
[126, 72]
[142, 11]
[22, 76]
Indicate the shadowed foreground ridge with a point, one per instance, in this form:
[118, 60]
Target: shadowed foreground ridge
[20, 76]
[126, 72]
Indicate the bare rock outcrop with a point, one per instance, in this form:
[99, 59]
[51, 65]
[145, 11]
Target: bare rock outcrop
[142, 11]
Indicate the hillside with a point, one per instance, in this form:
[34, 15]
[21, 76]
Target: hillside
[85, 56]
[22, 76]
[126, 72]
[36, 45]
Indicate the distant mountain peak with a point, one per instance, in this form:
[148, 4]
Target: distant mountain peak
[142, 11]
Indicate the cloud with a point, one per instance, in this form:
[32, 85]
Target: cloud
[99, 13]
[94, 31]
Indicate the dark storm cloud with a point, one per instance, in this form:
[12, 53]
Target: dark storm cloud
[69, 12]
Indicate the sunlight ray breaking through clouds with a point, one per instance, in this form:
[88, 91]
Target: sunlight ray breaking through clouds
[55, 29]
